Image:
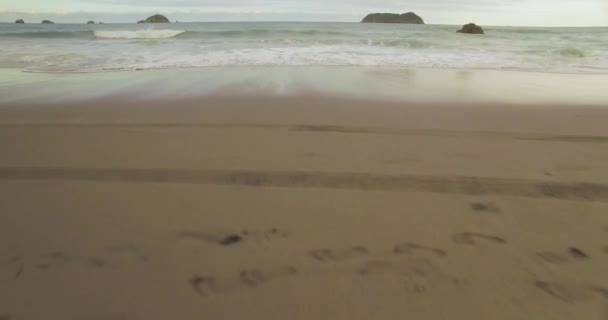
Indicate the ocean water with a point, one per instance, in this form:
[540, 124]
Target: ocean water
[70, 48]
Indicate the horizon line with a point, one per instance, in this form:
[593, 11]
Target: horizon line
[301, 21]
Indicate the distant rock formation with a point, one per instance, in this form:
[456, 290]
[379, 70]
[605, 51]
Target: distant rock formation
[19, 21]
[157, 18]
[47, 22]
[100, 22]
[90, 22]
[409, 17]
[471, 28]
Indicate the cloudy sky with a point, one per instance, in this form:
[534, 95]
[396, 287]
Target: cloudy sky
[486, 12]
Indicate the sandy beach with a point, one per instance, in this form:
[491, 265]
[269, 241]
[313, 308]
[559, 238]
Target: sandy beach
[302, 207]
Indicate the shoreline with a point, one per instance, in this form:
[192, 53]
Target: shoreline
[422, 85]
[296, 67]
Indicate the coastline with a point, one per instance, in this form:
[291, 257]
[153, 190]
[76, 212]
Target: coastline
[281, 170]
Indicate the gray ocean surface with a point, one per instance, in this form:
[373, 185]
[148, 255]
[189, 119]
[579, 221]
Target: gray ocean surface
[72, 48]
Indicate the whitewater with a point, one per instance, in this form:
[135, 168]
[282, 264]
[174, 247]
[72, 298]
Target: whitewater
[70, 48]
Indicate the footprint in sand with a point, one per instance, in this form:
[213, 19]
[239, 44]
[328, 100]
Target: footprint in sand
[335, 255]
[577, 253]
[211, 238]
[411, 248]
[562, 258]
[569, 294]
[19, 272]
[264, 235]
[203, 285]
[231, 238]
[416, 286]
[415, 275]
[472, 238]
[255, 277]
[485, 207]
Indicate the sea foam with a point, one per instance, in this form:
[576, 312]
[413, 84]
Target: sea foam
[87, 48]
[138, 34]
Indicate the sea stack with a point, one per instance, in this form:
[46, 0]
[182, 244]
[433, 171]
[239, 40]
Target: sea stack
[90, 22]
[19, 21]
[47, 22]
[409, 18]
[471, 28]
[157, 18]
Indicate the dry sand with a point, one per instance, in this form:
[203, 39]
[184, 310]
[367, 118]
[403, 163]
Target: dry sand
[302, 208]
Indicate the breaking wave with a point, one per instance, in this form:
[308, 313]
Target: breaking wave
[138, 34]
[571, 52]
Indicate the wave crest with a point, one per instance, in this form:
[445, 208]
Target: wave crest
[48, 34]
[571, 52]
[138, 34]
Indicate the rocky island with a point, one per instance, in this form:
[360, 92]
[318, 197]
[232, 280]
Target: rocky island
[410, 18]
[19, 21]
[47, 22]
[157, 18]
[471, 28]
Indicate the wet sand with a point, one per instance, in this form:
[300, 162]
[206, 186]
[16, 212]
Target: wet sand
[302, 207]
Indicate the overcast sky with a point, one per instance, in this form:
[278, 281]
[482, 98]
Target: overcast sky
[485, 12]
